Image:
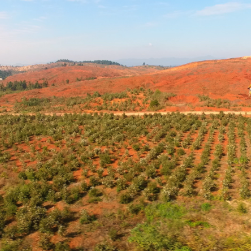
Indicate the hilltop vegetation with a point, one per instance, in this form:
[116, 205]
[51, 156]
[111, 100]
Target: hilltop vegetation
[106, 182]
[104, 62]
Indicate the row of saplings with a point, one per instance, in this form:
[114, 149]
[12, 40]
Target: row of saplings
[32, 215]
[23, 212]
[53, 126]
[62, 176]
[90, 181]
[33, 195]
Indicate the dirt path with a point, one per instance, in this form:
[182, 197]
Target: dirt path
[190, 112]
[139, 113]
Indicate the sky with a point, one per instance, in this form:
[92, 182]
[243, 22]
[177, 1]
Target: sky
[41, 31]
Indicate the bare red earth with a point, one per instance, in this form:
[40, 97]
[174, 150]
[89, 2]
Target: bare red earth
[59, 75]
[226, 79]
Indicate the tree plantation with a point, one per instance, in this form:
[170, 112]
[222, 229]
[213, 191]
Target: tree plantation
[107, 182]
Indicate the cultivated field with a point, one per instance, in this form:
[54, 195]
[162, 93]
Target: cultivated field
[107, 182]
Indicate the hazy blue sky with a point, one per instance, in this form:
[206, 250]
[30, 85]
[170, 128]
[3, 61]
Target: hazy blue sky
[33, 31]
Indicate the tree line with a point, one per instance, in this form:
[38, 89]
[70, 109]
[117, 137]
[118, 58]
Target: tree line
[22, 85]
[104, 62]
[5, 74]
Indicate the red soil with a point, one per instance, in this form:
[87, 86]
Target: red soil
[59, 75]
[226, 79]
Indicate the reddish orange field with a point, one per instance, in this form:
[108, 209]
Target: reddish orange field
[225, 79]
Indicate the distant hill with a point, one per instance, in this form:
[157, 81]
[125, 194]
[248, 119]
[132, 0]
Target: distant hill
[216, 78]
[162, 61]
[11, 70]
[60, 74]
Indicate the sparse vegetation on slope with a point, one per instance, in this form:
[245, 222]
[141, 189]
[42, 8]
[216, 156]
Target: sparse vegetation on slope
[222, 83]
[130, 100]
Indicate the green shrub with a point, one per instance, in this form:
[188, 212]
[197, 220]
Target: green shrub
[121, 184]
[11, 197]
[108, 181]
[94, 200]
[206, 207]
[105, 159]
[84, 186]
[100, 172]
[94, 192]
[28, 218]
[104, 247]
[154, 103]
[2, 221]
[30, 174]
[60, 181]
[47, 224]
[45, 242]
[148, 237]
[166, 169]
[181, 151]
[164, 210]
[113, 234]
[136, 147]
[22, 176]
[94, 181]
[151, 192]
[11, 209]
[140, 183]
[62, 246]
[125, 198]
[15, 245]
[86, 218]
[241, 208]
[135, 208]
[151, 172]
[55, 220]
